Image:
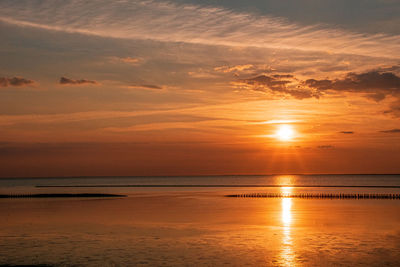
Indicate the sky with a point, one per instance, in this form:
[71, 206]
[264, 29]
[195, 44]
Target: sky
[189, 87]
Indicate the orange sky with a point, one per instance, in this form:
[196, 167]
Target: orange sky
[108, 93]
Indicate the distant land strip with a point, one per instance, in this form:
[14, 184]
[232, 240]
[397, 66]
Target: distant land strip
[58, 195]
[221, 185]
[318, 195]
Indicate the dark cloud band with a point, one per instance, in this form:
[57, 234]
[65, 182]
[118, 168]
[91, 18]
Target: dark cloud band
[67, 81]
[391, 131]
[14, 81]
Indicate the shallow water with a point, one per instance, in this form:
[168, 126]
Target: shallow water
[199, 227]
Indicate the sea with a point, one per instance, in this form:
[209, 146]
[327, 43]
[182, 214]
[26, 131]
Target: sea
[189, 221]
[312, 183]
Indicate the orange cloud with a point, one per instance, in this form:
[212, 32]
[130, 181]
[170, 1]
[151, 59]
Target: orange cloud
[227, 69]
[128, 60]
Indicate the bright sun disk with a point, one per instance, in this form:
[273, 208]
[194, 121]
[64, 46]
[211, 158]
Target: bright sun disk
[285, 132]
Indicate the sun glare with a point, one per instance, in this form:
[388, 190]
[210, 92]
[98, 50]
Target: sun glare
[285, 132]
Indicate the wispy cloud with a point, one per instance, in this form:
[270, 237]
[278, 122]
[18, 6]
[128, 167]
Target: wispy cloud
[227, 69]
[127, 60]
[14, 81]
[346, 132]
[144, 86]
[7, 120]
[164, 21]
[394, 109]
[391, 131]
[151, 86]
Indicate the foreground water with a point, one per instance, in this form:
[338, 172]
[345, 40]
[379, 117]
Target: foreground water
[198, 226]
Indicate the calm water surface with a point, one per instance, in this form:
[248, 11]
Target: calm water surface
[198, 226]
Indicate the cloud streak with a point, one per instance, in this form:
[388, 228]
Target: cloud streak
[14, 81]
[143, 86]
[170, 22]
[127, 60]
[391, 131]
[67, 81]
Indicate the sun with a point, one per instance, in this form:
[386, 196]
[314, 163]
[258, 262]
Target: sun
[285, 132]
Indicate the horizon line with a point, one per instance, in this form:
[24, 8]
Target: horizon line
[201, 175]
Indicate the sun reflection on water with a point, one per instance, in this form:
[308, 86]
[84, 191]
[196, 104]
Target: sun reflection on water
[287, 253]
[286, 212]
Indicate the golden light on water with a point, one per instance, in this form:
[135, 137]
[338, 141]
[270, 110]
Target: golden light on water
[285, 132]
[286, 212]
[286, 206]
[287, 256]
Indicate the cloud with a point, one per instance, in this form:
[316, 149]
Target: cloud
[145, 86]
[391, 131]
[202, 74]
[227, 69]
[151, 86]
[15, 81]
[169, 22]
[127, 60]
[270, 82]
[276, 84]
[394, 109]
[376, 84]
[67, 81]
[130, 60]
[347, 132]
[277, 76]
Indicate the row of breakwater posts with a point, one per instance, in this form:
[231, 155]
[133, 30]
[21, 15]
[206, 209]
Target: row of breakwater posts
[62, 195]
[318, 195]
